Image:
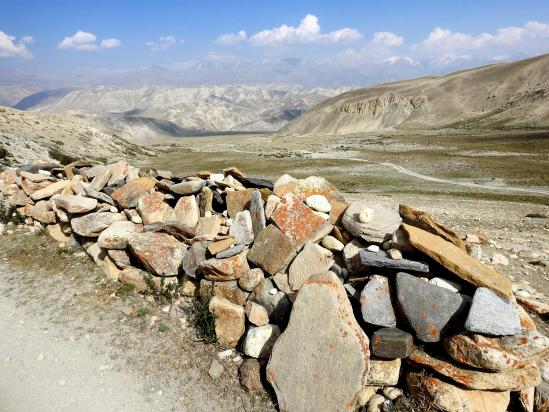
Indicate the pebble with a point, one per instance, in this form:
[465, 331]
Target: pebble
[216, 369]
[318, 203]
[373, 248]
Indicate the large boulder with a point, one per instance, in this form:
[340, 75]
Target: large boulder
[329, 351]
[160, 253]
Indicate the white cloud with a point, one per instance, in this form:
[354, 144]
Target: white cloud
[386, 39]
[27, 39]
[82, 40]
[449, 58]
[9, 47]
[232, 38]
[308, 31]
[400, 59]
[163, 43]
[530, 37]
[110, 43]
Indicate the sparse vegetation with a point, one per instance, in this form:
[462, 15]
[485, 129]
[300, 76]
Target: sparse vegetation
[61, 157]
[126, 289]
[163, 293]
[9, 213]
[142, 312]
[202, 319]
[163, 328]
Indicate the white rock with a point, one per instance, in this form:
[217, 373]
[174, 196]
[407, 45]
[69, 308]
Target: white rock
[217, 177]
[499, 259]
[259, 340]
[366, 215]
[446, 284]
[323, 215]
[331, 243]
[318, 203]
[373, 248]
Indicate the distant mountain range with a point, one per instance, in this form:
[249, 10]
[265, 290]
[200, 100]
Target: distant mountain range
[181, 111]
[502, 96]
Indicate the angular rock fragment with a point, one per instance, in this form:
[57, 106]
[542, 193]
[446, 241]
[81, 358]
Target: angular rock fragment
[250, 375]
[308, 262]
[383, 372]
[249, 280]
[242, 230]
[497, 354]
[101, 179]
[376, 304]
[50, 190]
[457, 261]
[229, 290]
[511, 380]
[42, 212]
[225, 269]
[423, 220]
[238, 201]
[205, 199]
[195, 255]
[333, 353]
[428, 308]
[492, 315]
[272, 250]
[208, 226]
[447, 397]
[119, 171]
[160, 253]
[153, 209]
[215, 247]
[120, 258]
[229, 321]
[186, 211]
[392, 343]
[116, 235]
[298, 222]
[92, 224]
[381, 260]
[257, 212]
[94, 194]
[259, 340]
[257, 314]
[276, 302]
[380, 227]
[128, 195]
[191, 187]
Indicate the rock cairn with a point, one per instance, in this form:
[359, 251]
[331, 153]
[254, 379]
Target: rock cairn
[339, 305]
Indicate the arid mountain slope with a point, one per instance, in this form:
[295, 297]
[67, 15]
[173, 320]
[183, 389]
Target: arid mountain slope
[502, 96]
[180, 111]
[27, 136]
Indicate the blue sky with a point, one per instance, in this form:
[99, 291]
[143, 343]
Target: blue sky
[59, 38]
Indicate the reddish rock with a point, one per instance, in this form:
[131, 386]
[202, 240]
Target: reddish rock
[42, 212]
[160, 253]
[250, 375]
[231, 268]
[298, 222]
[153, 208]
[238, 201]
[229, 321]
[128, 195]
[186, 211]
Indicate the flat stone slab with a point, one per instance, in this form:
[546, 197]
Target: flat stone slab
[492, 315]
[309, 261]
[272, 250]
[511, 380]
[231, 268]
[458, 262]
[116, 235]
[241, 229]
[508, 352]
[382, 260]
[229, 321]
[74, 203]
[92, 224]
[428, 308]
[298, 221]
[329, 353]
[392, 343]
[257, 212]
[376, 304]
[380, 227]
[128, 195]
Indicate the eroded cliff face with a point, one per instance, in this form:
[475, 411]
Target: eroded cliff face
[388, 110]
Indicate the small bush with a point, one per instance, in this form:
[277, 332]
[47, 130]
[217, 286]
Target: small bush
[202, 319]
[163, 328]
[126, 288]
[165, 293]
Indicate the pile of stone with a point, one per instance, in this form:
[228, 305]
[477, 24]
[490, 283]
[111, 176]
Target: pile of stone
[339, 305]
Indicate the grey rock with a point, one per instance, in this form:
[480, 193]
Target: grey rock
[257, 212]
[191, 187]
[249, 280]
[428, 308]
[329, 353]
[375, 302]
[382, 260]
[94, 194]
[383, 222]
[241, 229]
[216, 369]
[278, 305]
[193, 257]
[309, 261]
[258, 183]
[235, 250]
[92, 224]
[392, 343]
[492, 315]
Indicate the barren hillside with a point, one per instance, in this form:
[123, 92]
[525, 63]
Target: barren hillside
[26, 136]
[503, 96]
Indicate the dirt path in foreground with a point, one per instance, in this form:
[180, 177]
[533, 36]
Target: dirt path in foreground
[65, 344]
